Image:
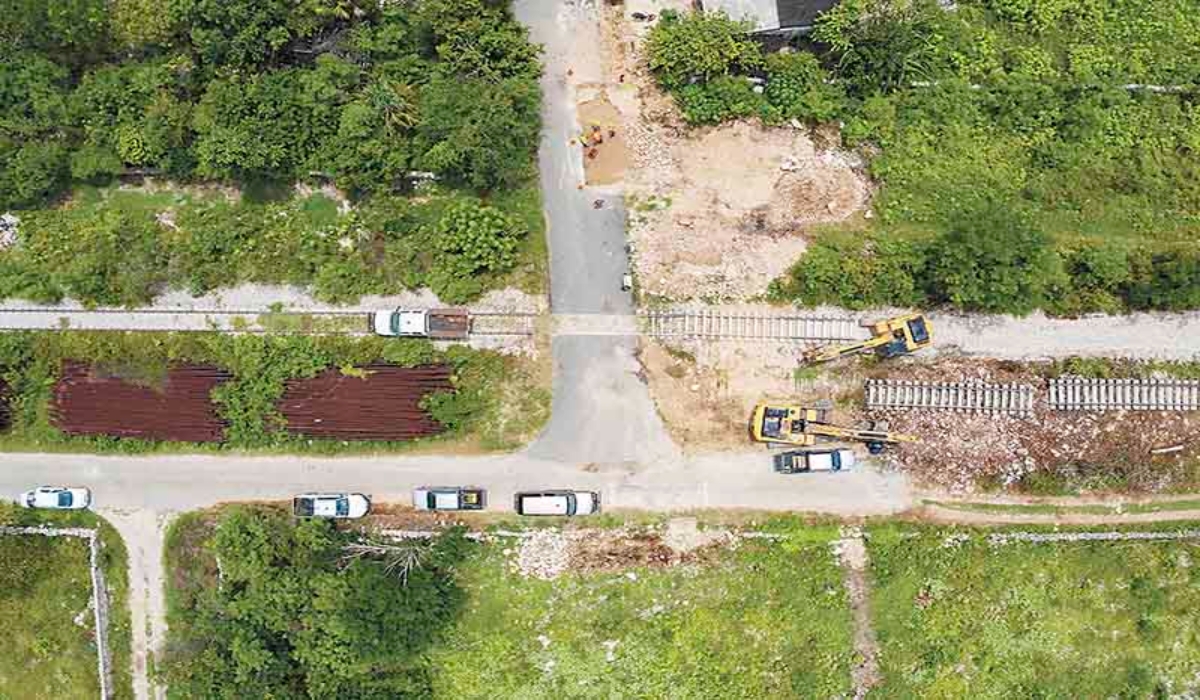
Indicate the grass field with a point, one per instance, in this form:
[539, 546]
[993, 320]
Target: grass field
[769, 620]
[967, 619]
[45, 587]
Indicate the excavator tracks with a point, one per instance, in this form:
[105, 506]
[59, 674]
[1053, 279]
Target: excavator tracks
[722, 325]
[973, 397]
[1079, 394]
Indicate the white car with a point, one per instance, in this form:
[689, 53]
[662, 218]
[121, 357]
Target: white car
[400, 322]
[57, 498]
[557, 502]
[339, 506]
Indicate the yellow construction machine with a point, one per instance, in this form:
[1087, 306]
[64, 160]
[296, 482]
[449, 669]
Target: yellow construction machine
[889, 338]
[796, 425]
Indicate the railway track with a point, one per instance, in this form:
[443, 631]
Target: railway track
[254, 321]
[719, 325]
[1079, 394]
[973, 397]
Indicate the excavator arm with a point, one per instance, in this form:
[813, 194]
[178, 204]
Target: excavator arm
[833, 352]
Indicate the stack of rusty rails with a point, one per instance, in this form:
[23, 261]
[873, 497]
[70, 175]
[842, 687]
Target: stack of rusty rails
[180, 409]
[1084, 394]
[385, 404]
[5, 407]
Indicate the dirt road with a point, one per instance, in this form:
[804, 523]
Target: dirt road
[143, 532]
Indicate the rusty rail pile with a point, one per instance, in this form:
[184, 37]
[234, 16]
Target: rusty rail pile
[5, 409]
[385, 405]
[180, 410]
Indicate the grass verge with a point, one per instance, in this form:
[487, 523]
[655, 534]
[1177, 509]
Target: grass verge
[44, 588]
[959, 617]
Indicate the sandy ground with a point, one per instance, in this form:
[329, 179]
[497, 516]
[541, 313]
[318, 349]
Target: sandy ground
[716, 212]
[605, 154]
[706, 391]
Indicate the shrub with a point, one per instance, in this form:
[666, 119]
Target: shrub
[858, 270]
[992, 259]
[700, 47]
[797, 87]
[720, 100]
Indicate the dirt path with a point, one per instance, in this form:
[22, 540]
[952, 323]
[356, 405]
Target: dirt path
[942, 514]
[143, 532]
[851, 552]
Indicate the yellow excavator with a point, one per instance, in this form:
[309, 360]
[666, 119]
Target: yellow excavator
[889, 338]
[796, 425]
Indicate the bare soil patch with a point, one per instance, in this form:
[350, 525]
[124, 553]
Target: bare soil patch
[718, 212]
[605, 154]
[547, 554]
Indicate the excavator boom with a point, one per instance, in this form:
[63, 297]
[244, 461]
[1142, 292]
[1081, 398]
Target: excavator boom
[889, 338]
[796, 425]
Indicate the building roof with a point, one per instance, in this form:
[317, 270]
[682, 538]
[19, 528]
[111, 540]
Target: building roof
[771, 15]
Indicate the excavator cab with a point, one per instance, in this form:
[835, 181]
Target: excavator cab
[909, 333]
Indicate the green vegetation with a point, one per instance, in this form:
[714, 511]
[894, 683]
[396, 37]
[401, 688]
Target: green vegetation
[1018, 170]
[296, 614]
[765, 620]
[498, 401]
[46, 585]
[1163, 506]
[972, 619]
[264, 94]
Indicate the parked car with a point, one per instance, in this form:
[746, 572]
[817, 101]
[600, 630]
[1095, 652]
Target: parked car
[437, 324]
[557, 502]
[449, 498]
[341, 506]
[798, 461]
[57, 497]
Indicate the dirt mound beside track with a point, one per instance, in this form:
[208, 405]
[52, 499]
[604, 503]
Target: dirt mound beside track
[89, 402]
[384, 404]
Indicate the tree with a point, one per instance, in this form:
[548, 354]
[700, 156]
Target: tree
[699, 46]
[478, 132]
[992, 259]
[296, 616]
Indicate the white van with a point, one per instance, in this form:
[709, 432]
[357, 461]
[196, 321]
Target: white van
[557, 502]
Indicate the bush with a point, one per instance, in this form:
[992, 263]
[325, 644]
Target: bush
[700, 47]
[473, 239]
[797, 88]
[722, 99]
[858, 271]
[992, 259]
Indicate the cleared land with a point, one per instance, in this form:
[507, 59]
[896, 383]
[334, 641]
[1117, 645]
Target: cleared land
[958, 617]
[758, 619]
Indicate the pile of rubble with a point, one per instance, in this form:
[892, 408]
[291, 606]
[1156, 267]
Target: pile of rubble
[547, 554]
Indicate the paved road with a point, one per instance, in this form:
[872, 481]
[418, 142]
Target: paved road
[720, 480]
[602, 412]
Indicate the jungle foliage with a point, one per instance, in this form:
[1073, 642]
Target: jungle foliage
[1037, 107]
[373, 97]
[292, 615]
[113, 247]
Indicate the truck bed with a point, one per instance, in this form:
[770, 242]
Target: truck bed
[449, 324]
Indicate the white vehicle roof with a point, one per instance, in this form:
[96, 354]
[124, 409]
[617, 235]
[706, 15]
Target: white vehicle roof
[400, 322]
[338, 505]
[545, 504]
[444, 498]
[823, 461]
[559, 503]
[57, 497]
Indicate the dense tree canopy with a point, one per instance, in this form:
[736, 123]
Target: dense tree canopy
[360, 91]
[294, 617]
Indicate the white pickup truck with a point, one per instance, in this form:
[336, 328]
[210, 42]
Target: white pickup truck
[338, 506]
[437, 324]
[799, 461]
